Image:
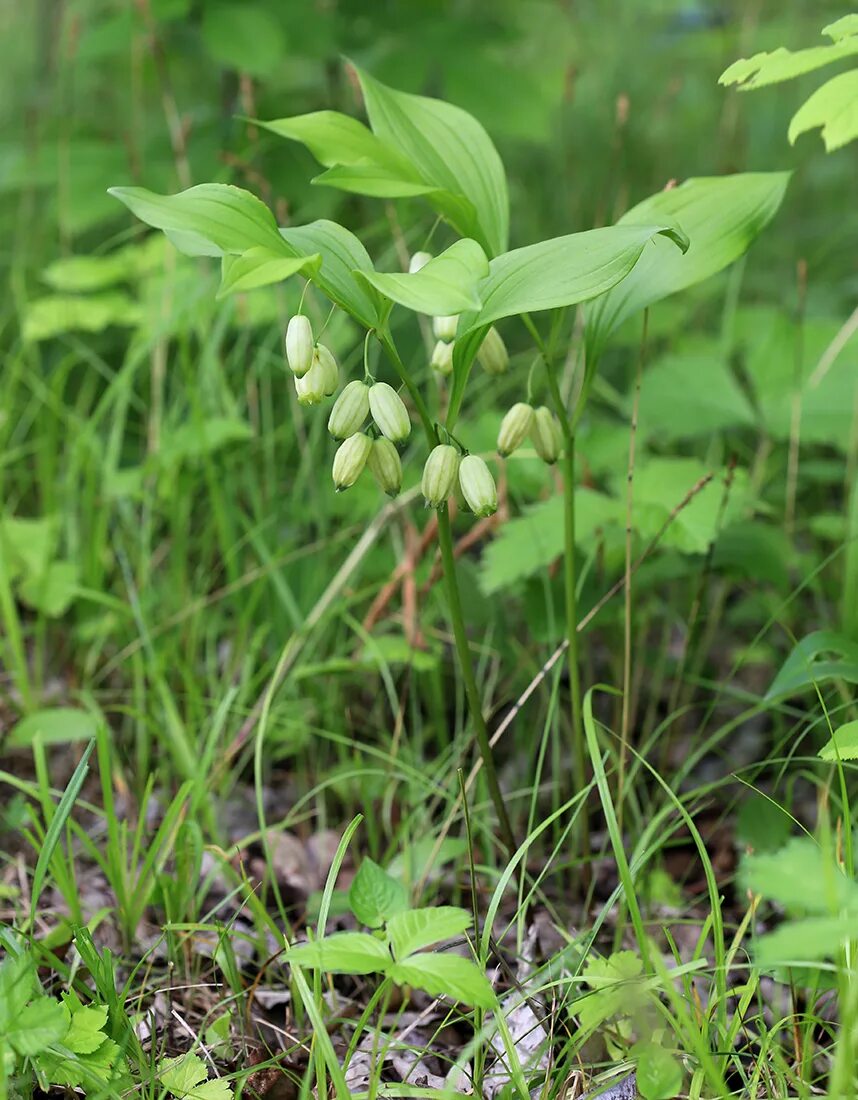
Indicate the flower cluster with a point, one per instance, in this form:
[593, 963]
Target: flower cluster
[543, 427]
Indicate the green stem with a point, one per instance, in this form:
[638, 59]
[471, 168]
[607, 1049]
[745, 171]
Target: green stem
[466, 663]
[448, 560]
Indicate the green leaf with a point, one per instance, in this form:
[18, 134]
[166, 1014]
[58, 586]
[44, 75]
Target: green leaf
[245, 36]
[86, 1029]
[28, 545]
[54, 725]
[211, 219]
[416, 928]
[443, 975]
[342, 953]
[260, 267]
[42, 1022]
[823, 655]
[56, 314]
[375, 896]
[565, 270]
[335, 139]
[783, 64]
[17, 983]
[375, 180]
[721, 216]
[785, 876]
[843, 744]
[446, 285]
[616, 985]
[342, 255]
[450, 151]
[53, 591]
[834, 108]
[186, 1076]
[842, 28]
[659, 1075]
[804, 941]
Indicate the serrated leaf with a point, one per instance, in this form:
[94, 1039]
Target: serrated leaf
[833, 108]
[616, 985]
[42, 1022]
[443, 975]
[417, 928]
[721, 216]
[449, 151]
[783, 64]
[211, 219]
[342, 953]
[804, 941]
[447, 285]
[86, 1029]
[182, 1074]
[261, 267]
[375, 896]
[784, 877]
[843, 744]
[17, 983]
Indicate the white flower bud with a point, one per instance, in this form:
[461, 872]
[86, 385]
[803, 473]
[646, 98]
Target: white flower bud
[389, 412]
[439, 474]
[478, 486]
[311, 387]
[442, 357]
[418, 260]
[547, 435]
[331, 372]
[493, 356]
[445, 327]
[349, 411]
[386, 466]
[515, 428]
[299, 345]
[350, 460]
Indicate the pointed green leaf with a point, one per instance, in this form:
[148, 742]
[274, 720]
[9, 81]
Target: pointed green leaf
[417, 928]
[822, 655]
[207, 220]
[375, 896]
[834, 108]
[54, 725]
[260, 267]
[342, 254]
[334, 138]
[784, 876]
[446, 285]
[445, 976]
[342, 953]
[86, 1028]
[843, 744]
[450, 151]
[782, 64]
[721, 216]
[375, 180]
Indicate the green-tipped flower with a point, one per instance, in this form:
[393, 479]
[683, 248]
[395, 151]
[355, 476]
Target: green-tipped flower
[442, 357]
[515, 427]
[439, 474]
[330, 371]
[299, 345]
[349, 411]
[418, 261]
[350, 460]
[312, 386]
[385, 466]
[478, 486]
[389, 412]
[547, 435]
[493, 356]
[445, 327]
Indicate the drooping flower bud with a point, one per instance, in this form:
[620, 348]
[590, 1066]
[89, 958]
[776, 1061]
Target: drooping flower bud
[439, 474]
[299, 345]
[515, 428]
[547, 435]
[349, 411]
[331, 372]
[442, 357]
[418, 260]
[478, 486]
[389, 412]
[493, 356]
[385, 465]
[311, 387]
[445, 327]
[350, 460]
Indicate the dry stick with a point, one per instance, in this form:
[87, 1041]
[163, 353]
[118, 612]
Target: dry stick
[540, 676]
[847, 331]
[627, 630]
